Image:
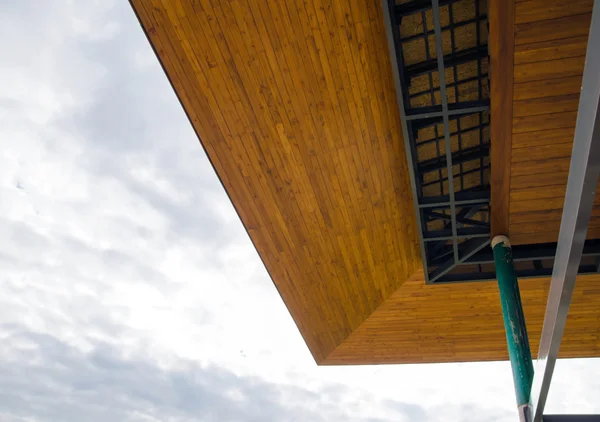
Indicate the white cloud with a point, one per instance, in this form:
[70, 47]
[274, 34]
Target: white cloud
[127, 282]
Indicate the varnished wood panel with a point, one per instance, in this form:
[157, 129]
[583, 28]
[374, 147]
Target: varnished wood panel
[549, 214]
[295, 106]
[463, 322]
[553, 29]
[547, 237]
[550, 69]
[541, 51]
[541, 10]
[551, 42]
[538, 180]
[541, 152]
[544, 122]
[556, 104]
[532, 193]
[541, 167]
[501, 45]
[543, 137]
[533, 199]
[547, 225]
[547, 88]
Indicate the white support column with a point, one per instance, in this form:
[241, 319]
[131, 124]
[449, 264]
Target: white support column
[579, 200]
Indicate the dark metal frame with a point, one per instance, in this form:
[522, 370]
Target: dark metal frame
[450, 186]
[453, 216]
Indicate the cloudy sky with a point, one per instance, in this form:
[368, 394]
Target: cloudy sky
[129, 290]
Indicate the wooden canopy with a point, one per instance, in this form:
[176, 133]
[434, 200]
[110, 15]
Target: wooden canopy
[294, 103]
[538, 100]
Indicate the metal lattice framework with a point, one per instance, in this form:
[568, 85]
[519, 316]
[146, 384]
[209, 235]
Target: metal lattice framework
[440, 62]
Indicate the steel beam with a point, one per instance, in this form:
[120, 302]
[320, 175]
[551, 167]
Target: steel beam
[471, 277]
[533, 252]
[463, 131]
[446, 27]
[470, 248]
[462, 220]
[417, 6]
[456, 110]
[466, 232]
[442, 79]
[442, 201]
[450, 60]
[416, 118]
[461, 156]
[462, 173]
[395, 50]
[579, 200]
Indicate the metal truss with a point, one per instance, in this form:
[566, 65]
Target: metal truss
[440, 64]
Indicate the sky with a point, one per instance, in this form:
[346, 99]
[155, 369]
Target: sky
[129, 290]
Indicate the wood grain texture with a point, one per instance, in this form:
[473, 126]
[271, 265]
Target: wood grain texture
[549, 69]
[294, 104]
[546, 226]
[541, 122]
[547, 237]
[541, 167]
[541, 10]
[540, 51]
[543, 137]
[556, 104]
[547, 88]
[501, 45]
[551, 42]
[463, 322]
[553, 29]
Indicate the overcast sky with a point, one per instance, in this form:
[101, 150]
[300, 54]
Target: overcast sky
[129, 290]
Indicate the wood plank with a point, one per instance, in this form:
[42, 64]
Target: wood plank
[535, 205]
[541, 166]
[547, 237]
[572, 66]
[543, 137]
[541, 225]
[501, 44]
[529, 193]
[308, 144]
[538, 180]
[531, 200]
[544, 122]
[386, 336]
[550, 50]
[554, 29]
[547, 88]
[542, 152]
[550, 47]
[532, 217]
[540, 10]
[546, 105]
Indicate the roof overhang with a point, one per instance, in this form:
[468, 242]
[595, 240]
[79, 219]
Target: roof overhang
[295, 105]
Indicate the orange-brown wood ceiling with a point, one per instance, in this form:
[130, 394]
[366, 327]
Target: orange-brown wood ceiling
[542, 95]
[463, 323]
[295, 106]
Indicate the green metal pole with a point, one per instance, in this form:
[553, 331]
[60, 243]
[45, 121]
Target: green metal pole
[514, 324]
